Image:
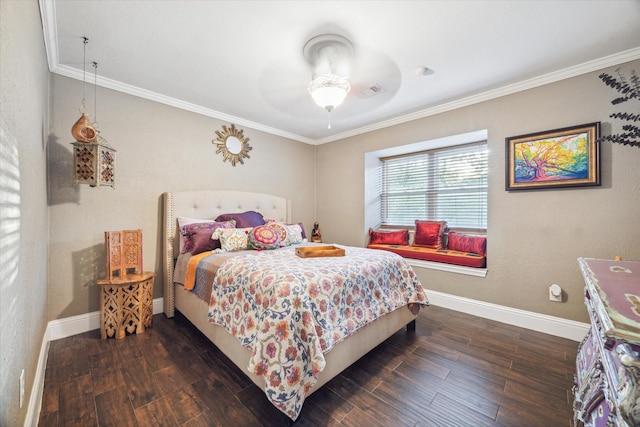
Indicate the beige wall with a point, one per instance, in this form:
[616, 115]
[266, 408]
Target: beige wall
[159, 149]
[534, 237]
[24, 87]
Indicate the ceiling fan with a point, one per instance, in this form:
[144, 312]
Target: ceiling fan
[335, 72]
[330, 56]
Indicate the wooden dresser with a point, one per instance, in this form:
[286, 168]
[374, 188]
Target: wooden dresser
[607, 390]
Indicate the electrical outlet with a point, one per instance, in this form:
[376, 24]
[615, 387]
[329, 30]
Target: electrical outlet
[21, 388]
[555, 293]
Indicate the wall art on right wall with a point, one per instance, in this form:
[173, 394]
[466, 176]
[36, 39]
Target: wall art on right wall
[567, 157]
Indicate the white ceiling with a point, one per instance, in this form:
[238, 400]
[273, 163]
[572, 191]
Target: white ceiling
[242, 62]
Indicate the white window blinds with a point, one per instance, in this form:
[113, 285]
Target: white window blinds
[447, 184]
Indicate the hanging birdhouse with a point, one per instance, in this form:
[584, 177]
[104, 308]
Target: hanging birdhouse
[95, 163]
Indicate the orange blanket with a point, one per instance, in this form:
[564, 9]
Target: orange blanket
[190, 275]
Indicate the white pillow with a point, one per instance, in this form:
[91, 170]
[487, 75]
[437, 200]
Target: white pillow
[294, 234]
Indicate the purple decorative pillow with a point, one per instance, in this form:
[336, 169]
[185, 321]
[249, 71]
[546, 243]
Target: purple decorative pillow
[243, 220]
[183, 221]
[264, 237]
[468, 243]
[429, 234]
[197, 236]
[388, 237]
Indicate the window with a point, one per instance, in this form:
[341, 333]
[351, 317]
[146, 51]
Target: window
[446, 184]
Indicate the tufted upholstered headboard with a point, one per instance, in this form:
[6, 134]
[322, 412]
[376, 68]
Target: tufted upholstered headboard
[208, 204]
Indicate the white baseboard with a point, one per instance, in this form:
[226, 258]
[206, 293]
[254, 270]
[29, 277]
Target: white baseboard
[62, 328]
[551, 325]
[69, 326]
[35, 398]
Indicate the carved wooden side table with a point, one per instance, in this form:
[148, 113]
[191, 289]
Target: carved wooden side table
[126, 304]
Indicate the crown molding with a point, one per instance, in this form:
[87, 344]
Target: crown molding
[50, 30]
[47, 10]
[73, 73]
[556, 76]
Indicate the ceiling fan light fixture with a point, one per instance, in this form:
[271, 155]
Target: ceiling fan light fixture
[330, 56]
[329, 90]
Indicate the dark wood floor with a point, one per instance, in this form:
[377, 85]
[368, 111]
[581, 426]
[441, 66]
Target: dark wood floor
[454, 370]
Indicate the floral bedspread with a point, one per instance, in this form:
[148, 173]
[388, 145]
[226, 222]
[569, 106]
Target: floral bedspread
[290, 310]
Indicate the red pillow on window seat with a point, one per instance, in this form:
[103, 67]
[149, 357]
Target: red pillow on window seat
[469, 243]
[388, 237]
[429, 234]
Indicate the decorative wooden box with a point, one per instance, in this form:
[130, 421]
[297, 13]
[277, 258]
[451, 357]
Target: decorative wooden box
[94, 164]
[607, 390]
[319, 251]
[124, 252]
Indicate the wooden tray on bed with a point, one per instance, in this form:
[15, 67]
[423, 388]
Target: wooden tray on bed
[319, 251]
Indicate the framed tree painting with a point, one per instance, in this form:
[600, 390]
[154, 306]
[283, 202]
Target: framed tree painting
[567, 157]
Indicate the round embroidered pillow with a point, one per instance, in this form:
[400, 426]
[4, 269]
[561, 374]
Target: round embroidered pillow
[282, 232]
[264, 237]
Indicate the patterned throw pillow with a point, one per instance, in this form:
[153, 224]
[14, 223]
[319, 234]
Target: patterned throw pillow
[290, 234]
[182, 221]
[281, 229]
[232, 239]
[429, 234]
[264, 237]
[197, 236]
[295, 233]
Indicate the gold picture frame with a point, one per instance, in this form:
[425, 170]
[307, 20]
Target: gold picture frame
[232, 144]
[567, 157]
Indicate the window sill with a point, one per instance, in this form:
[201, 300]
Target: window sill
[469, 271]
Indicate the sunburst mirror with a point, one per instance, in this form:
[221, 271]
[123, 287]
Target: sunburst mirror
[233, 145]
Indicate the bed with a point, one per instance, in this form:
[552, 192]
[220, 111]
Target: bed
[209, 205]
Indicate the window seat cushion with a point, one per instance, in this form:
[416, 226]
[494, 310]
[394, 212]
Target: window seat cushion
[436, 255]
